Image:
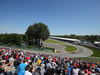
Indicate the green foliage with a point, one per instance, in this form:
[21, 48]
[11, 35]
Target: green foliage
[53, 41]
[90, 38]
[11, 39]
[37, 33]
[2, 38]
[25, 38]
[96, 52]
[49, 48]
[70, 48]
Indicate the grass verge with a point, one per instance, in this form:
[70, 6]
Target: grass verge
[70, 48]
[53, 41]
[96, 52]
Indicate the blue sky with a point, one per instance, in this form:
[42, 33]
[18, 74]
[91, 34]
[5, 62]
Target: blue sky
[63, 17]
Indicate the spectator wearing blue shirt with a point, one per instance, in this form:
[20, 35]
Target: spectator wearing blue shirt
[22, 66]
[42, 62]
[69, 69]
[22, 73]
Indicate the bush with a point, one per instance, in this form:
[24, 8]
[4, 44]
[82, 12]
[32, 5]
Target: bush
[49, 48]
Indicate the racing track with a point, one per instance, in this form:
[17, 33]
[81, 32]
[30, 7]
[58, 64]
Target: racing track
[81, 52]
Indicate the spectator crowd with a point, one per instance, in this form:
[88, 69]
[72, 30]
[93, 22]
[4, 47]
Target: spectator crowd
[28, 63]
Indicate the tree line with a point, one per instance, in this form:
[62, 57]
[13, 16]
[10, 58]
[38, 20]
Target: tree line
[34, 35]
[90, 38]
[11, 39]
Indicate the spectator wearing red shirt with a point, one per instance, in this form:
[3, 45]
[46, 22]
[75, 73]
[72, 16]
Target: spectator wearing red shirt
[77, 65]
[16, 56]
[54, 60]
[46, 57]
[6, 57]
[28, 57]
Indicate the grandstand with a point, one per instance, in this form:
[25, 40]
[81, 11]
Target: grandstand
[66, 39]
[30, 63]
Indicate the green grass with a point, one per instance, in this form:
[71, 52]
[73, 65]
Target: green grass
[53, 41]
[57, 51]
[70, 48]
[96, 52]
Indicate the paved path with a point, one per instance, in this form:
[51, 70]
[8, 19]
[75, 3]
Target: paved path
[58, 47]
[82, 51]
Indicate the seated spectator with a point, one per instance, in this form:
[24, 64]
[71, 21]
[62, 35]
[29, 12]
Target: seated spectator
[65, 70]
[81, 71]
[28, 57]
[21, 66]
[42, 69]
[39, 62]
[11, 58]
[58, 69]
[69, 69]
[32, 69]
[0, 56]
[75, 71]
[48, 71]
[21, 73]
[38, 71]
[6, 58]
[27, 70]
[2, 70]
[48, 65]
[42, 62]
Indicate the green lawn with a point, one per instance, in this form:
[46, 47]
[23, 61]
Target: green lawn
[53, 41]
[96, 52]
[70, 48]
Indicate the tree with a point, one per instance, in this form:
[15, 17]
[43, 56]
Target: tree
[13, 39]
[25, 38]
[2, 38]
[39, 32]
